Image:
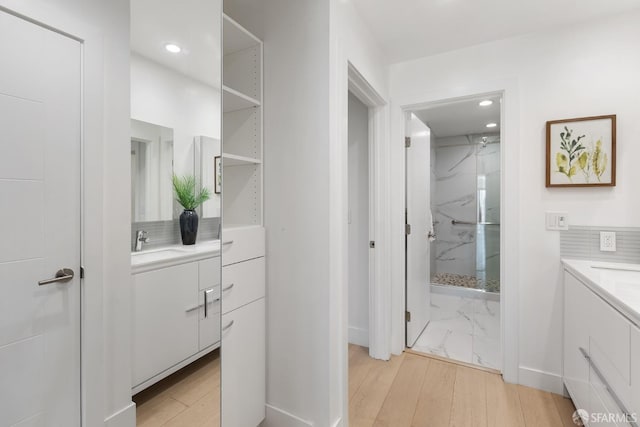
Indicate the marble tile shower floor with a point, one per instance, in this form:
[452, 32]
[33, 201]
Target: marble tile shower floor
[464, 281]
[465, 329]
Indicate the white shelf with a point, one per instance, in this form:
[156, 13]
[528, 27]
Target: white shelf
[236, 37]
[232, 100]
[233, 160]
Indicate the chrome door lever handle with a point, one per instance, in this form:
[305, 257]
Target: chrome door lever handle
[63, 275]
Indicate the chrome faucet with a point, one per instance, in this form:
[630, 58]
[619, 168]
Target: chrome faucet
[141, 237]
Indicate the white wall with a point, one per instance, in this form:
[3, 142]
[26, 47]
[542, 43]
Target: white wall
[167, 98]
[358, 222]
[296, 178]
[582, 70]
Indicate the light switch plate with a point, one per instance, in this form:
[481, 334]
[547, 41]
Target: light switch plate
[557, 221]
[607, 241]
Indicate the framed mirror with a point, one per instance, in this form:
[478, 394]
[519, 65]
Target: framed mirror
[176, 69]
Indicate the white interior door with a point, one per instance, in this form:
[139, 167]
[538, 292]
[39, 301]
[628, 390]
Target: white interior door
[40, 117]
[418, 205]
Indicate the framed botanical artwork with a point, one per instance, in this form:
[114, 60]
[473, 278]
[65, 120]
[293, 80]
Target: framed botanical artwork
[581, 152]
[217, 174]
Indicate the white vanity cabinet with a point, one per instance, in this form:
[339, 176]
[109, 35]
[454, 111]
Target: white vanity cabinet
[243, 327]
[601, 355]
[171, 327]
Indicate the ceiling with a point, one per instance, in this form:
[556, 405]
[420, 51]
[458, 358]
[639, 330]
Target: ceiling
[409, 29]
[194, 25]
[464, 117]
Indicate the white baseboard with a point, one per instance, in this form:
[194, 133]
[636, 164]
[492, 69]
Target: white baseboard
[279, 418]
[359, 336]
[541, 380]
[126, 417]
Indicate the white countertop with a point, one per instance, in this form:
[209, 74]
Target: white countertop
[616, 283]
[167, 256]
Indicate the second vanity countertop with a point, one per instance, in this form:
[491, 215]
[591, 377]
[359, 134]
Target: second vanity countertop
[616, 283]
[167, 256]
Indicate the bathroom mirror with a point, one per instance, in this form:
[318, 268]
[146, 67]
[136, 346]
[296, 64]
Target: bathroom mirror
[208, 173]
[176, 69]
[151, 170]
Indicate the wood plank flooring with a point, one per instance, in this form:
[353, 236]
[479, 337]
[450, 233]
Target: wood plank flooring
[415, 391]
[408, 391]
[188, 398]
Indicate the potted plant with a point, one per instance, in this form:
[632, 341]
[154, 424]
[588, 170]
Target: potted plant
[189, 199]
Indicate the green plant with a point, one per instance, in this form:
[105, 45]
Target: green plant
[185, 188]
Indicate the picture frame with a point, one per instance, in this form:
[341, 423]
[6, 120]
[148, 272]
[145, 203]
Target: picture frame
[581, 152]
[217, 174]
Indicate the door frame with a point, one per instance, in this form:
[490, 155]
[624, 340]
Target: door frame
[509, 211]
[55, 19]
[379, 307]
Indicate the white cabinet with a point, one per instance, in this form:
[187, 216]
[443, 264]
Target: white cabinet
[576, 337]
[243, 365]
[243, 236]
[165, 332]
[176, 318]
[601, 355]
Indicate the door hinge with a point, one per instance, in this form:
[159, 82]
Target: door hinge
[372, 244]
[407, 141]
[407, 316]
[407, 229]
[82, 272]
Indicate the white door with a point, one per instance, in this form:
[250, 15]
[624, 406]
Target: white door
[418, 158]
[40, 96]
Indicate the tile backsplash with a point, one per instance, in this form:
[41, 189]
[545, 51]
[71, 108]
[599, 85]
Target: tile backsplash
[164, 233]
[583, 242]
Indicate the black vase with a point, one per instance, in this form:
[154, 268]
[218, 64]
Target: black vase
[189, 226]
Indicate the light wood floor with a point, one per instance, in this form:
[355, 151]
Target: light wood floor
[188, 398]
[407, 391]
[412, 391]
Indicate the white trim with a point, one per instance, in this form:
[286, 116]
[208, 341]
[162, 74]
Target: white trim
[359, 336]
[277, 417]
[509, 209]
[379, 300]
[126, 417]
[541, 380]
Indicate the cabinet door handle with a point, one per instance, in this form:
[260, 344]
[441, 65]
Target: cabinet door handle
[230, 324]
[613, 394]
[228, 242]
[228, 288]
[194, 308]
[207, 302]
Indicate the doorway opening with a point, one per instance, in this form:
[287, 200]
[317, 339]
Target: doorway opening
[359, 224]
[453, 236]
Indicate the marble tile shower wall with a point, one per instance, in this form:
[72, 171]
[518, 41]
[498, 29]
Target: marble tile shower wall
[463, 166]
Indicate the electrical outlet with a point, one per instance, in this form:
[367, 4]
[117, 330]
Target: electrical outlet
[608, 241]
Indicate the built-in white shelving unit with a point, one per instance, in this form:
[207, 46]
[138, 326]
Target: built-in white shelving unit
[242, 127]
[243, 234]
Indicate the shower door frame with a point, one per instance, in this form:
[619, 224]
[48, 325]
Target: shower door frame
[509, 185]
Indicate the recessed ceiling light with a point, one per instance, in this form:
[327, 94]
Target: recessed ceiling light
[492, 125]
[173, 48]
[485, 103]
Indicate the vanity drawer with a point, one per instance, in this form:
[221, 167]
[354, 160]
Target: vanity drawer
[634, 406]
[242, 283]
[209, 273]
[241, 244]
[610, 346]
